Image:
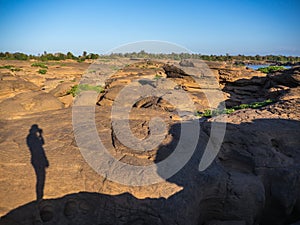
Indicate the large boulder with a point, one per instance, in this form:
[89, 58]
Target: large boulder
[62, 89]
[11, 85]
[279, 85]
[289, 78]
[28, 103]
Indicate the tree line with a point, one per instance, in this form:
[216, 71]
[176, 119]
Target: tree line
[142, 54]
[48, 56]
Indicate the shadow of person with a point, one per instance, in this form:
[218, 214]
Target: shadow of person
[39, 161]
[234, 189]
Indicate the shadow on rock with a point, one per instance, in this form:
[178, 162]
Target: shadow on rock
[35, 142]
[255, 179]
[256, 89]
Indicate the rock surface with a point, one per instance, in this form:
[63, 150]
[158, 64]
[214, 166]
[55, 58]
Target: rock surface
[255, 178]
[27, 103]
[11, 85]
[259, 88]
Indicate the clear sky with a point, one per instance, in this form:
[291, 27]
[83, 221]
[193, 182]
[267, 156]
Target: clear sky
[206, 27]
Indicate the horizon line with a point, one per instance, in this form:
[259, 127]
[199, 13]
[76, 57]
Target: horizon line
[145, 52]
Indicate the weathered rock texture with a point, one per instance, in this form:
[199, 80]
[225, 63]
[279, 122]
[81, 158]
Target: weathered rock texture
[255, 178]
[259, 88]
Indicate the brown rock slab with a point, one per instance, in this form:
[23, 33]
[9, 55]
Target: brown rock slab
[11, 85]
[27, 103]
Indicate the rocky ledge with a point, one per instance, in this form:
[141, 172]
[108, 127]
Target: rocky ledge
[254, 179]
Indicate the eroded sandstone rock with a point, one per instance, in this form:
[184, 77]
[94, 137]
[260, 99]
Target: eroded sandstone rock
[254, 179]
[27, 103]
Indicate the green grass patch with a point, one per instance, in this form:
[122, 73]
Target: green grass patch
[215, 112]
[42, 71]
[157, 77]
[253, 105]
[11, 68]
[271, 69]
[7, 67]
[39, 64]
[56, 64]
[76, 89]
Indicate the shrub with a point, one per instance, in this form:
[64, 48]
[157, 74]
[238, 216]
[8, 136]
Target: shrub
[10, 67]
[254, 105]
[211, 113]
[39, 64]
[207, 113]
[271, 69]
[7, 67]
[228, 111]
[42, 71]
[80, 60]
[20, 56]
[76, 89]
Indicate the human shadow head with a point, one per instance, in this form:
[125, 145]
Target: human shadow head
[39, 161]
[35, 129]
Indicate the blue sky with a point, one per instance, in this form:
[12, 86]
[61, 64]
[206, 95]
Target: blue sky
[206, 27]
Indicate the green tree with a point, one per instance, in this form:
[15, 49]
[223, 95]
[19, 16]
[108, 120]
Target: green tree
[70, 55]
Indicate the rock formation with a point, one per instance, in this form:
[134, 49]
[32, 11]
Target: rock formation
[255, 178]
